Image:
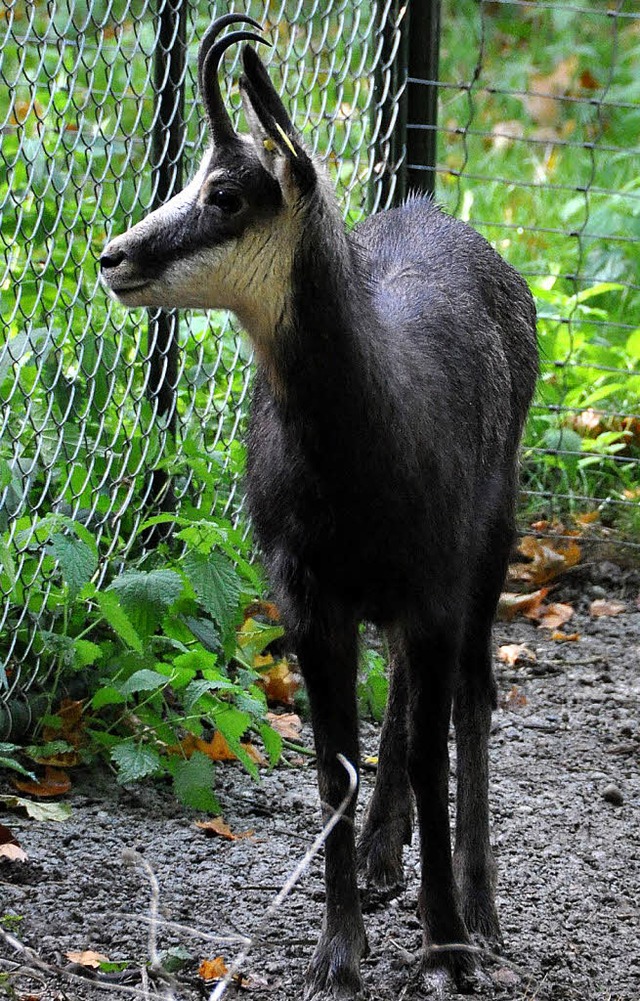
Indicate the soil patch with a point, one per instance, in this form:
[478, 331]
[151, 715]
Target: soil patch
[566, 819]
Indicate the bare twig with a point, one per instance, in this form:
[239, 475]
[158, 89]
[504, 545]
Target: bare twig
[303, 864]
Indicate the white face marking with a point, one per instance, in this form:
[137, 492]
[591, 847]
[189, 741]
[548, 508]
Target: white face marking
[249, 275]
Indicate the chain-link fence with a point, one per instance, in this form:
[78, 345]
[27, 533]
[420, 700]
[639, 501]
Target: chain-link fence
[523, 116]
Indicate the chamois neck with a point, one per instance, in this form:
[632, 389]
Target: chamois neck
[321, 357]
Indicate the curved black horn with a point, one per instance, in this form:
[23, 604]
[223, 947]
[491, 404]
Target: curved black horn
[211, 52]
[212, 33]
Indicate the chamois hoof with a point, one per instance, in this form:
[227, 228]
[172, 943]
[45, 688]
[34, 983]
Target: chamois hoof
[481, 918]
[444, 970]
[334, 971]
[477, 904]
[379, 854]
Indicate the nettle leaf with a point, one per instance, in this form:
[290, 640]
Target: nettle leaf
[160, 588]
[143, 681]
[272, 742]
[135, 761]
[86, 653]
[15, 766]
[196, 690]
[196, 660]
[205, 632]
[108, 696]
[77, 561]
[232, 724]
[216, 584]
[193, 782]
[146, 595]
[118, 619]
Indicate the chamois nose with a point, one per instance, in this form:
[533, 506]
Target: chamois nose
[111, 257]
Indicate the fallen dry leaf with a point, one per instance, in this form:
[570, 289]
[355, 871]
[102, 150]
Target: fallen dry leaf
[288, 725]
[511, 604]
[542, 103]
[588, 423]
[279, 683]
[10, 847]
[512, 653]
[588, 518]
[551, 616]
[71, 729]
[217, 827]
[548, 558]
[606, 606]
[54, 783]
[265, 608]
[217, 748]
[559, 637]
[88, 958]
[212, 969]
[514, 699]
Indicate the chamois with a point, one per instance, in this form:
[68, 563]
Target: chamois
[395, 366]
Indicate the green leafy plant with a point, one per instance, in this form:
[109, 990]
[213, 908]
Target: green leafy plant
[154, 649]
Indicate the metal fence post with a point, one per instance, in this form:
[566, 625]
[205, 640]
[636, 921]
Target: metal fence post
[422, 93]
[169, 66]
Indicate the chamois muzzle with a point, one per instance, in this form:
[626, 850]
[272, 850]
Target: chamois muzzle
[119, 271]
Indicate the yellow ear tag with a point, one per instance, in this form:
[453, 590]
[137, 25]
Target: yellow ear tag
[286, 139]
[269, 145]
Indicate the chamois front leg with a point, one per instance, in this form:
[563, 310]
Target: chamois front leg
[328, 659]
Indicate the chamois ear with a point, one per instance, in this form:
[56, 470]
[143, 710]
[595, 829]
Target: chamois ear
[274, 135]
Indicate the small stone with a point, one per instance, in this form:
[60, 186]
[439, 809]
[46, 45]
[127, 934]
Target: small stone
[505, 977]
[613, 794]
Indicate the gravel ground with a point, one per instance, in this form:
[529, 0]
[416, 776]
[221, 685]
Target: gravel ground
[565, 805]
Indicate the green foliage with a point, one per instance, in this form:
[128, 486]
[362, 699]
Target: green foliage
[373, 684]
[136, 640]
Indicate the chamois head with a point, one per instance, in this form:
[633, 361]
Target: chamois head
[228, 239]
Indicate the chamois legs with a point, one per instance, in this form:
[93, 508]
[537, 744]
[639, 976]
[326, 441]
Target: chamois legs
[474, 700]
[432, 658]
[388, 821]
[328, 658]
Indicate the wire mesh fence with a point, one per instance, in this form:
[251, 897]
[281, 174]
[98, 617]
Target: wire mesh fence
[526, 126]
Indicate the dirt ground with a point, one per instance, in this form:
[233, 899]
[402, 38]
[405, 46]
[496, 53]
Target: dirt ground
[566, 829]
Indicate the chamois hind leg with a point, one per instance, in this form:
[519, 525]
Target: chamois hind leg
[432, 657]
[328, 656]
[388, 820]
[475, 697]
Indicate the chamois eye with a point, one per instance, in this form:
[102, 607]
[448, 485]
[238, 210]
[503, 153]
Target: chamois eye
[227, 201]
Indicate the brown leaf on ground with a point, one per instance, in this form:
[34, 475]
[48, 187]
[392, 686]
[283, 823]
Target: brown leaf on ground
[88, 958]
[511, 604]
[212, 969]
[264, 608]
[542, 103]
[588, 81]
[514, 653]
[54, 782]
[279, 683]
[217, 748]
[551, 616]
[71, 728]
[606, 606]
[549, 558]
[10, 846]
[288, 725]
[588, 423]
[588, 518]
[218, 828]
[514, 699]
[559, 637]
